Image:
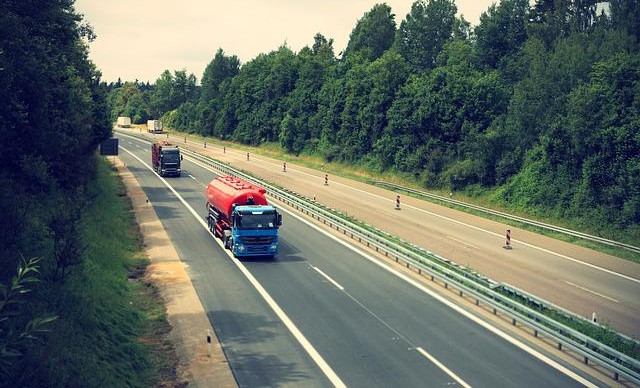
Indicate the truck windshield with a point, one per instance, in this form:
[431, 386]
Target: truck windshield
[171, 157]
[249, 220]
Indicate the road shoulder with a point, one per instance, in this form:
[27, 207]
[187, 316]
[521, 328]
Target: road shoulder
[185, 313]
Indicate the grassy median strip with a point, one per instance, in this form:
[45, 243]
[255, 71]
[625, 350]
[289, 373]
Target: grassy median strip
[111, 321]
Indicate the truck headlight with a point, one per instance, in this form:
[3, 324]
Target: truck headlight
[240, 248]
[274, 247]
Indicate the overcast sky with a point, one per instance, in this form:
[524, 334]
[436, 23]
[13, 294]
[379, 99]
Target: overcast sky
[140, 39]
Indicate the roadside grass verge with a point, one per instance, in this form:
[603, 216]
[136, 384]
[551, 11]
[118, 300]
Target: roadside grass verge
[483, 197]
[111, 322]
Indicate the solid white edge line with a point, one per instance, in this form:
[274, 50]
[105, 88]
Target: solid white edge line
[328, 278]
[297, 334]
[577, 261]
[434, 295]
[456, 308]
[443, 367]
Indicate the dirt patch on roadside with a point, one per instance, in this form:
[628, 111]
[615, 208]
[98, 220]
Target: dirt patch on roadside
[185, 313]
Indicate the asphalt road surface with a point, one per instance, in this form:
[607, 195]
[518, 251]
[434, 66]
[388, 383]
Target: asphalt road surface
[581, 280]
[324, 314]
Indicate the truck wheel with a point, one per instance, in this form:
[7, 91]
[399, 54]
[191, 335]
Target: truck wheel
[228, 243]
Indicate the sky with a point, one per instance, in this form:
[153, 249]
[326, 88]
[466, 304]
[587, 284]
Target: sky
[142, 38]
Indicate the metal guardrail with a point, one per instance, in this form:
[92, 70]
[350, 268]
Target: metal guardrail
[471, 284]
[468, 283]
[512, 217]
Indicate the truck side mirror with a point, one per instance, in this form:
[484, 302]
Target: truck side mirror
[279, 219]
[181, 157]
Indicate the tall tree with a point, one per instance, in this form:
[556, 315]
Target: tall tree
[221, 69]
[501, 31]
[373, 34]
[425, 30]
[625, 14]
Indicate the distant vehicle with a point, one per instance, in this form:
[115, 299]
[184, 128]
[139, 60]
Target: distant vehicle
[154, 126]
[166, 158]
[124, 122]
[238, 213]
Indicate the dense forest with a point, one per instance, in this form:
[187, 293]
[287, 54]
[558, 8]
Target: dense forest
[539, 106]
[536, 106]
[53, 115]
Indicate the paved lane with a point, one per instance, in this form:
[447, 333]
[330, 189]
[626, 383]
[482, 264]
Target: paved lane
[376, 331]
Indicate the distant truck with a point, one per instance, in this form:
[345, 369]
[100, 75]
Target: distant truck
[166, 158]
[239, 214]
[154, 126]
[124, 122]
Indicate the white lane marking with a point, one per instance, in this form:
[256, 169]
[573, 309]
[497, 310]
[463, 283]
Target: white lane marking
[444, 368]
[591, 291]
[462, 242]
[297, 334]
[196, 179]
[475, 227]
[398, 334]
[338, 286]
[519, 344]
[356, 301]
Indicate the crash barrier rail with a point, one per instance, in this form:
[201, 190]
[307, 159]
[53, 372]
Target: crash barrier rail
[468, 283]
[512, 217]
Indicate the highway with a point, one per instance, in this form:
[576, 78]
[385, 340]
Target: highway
[579, 279]
[325, 314]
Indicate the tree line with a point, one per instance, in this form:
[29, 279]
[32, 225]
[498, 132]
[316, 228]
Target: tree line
[53, 114]
[539, 106]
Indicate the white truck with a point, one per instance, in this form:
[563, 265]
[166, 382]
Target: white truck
[124, 122]
[154, 126]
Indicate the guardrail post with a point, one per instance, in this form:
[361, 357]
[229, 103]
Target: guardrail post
[431, 269]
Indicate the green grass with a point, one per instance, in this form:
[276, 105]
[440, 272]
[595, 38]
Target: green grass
[479, 196]
[110, 326]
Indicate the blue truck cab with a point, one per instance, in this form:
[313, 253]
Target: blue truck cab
[254, 230]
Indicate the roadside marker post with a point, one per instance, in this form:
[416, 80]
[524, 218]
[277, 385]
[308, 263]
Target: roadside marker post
[507, 244]
[208, 343]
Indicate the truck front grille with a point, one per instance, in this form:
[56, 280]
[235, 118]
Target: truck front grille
[258, 240]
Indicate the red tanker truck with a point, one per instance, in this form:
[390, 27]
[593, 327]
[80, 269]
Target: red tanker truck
[239, 214]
